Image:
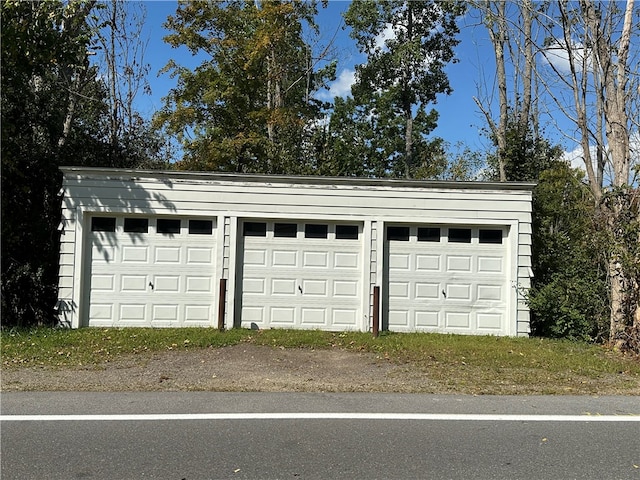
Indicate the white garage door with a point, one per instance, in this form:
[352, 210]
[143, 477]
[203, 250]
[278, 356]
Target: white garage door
[148, 271]
[301, 275]
[447, 279]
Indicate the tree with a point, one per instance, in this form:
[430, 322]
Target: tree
[408, 45]
[249, 105]
[602, 77]
[44, 68]
[119, 48]
[588, 74]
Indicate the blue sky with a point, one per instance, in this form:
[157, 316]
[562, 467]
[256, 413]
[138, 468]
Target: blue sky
[459, 118]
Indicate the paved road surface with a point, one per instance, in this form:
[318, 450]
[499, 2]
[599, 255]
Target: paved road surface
[317, 436]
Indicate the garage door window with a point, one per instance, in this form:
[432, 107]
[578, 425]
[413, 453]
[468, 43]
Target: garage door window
[459, 235]
[490, 236]
[398, 234]
[346, 232]
[168, 226]
[312, 230]
[200, 227]
[287, 230]
[254, 229]
[103, 224]
[428, 234]
[136, 225]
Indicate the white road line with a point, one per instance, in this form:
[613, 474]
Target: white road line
[321, 416]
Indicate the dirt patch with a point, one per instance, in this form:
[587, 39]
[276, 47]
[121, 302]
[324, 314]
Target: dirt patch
[235, 368]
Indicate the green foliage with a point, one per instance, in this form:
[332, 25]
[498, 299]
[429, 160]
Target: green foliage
[621, 213]
[54, 113]
[569, 295]
[249, 107]
[401, 78]
[38, 55]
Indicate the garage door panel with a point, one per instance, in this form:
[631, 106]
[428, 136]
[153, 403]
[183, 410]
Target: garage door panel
[344, 317]
[490, 321]
[427, 291]
[103, 283]
[155, 278]
[459, 263]
[103, 255]
[345, 288]
[198, 284]
[314, 317]
[315, 288]
[399, 290]
[165, 313]
[490, 265]
[312, 280]
[283, 287]
[490, 293]
[282, 316]
[132, 254]
[166, 283]
[458, 320]
[315, 259]
[458, 292]
[133, 312]
[255, 257]
[399, 261]
[439, 285]
[428, 263]
[254, 286]
[427, 319]
[133, 283]
[284, 258]
[197, 314]
[199, 256]
[344, 260]
[398, 319]
[170, 255]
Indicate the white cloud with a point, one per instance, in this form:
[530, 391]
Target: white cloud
[341, 87]
[387, 34]
[557, 55]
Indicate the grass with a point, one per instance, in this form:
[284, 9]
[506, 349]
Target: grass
[457, 363]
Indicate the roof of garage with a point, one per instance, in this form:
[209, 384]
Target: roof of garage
[169, 175]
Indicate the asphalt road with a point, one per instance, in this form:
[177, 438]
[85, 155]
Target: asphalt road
[317, 436]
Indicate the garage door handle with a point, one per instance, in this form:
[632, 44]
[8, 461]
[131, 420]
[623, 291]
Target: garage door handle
[300, 288]
[444, 293]
[151, 285]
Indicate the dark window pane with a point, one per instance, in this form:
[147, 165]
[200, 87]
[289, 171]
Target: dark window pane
[347, 232]
[168, 225]
[136, 225]
[312, 230]
[200, 227]
[254, 229]
[460, 235]
[285, 230]
[428, 234]
[398, 233]
[490, 236]
[103, 224]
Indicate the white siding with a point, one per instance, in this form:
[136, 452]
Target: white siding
[371, 203]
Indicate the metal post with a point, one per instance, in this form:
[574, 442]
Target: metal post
[376, 311]
[222, 297]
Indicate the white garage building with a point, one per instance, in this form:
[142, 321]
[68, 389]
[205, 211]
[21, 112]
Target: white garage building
[169, 249]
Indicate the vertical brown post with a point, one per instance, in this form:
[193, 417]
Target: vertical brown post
[222, 297]
[376, 311]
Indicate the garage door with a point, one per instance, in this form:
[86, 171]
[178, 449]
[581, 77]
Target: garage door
[446, 279]
[301, 275]
[148, 271]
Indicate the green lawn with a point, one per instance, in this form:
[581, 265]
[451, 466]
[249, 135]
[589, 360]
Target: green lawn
[472, 364]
